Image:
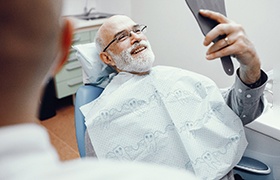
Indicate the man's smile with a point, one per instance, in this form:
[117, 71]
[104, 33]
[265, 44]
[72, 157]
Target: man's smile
[138, 49]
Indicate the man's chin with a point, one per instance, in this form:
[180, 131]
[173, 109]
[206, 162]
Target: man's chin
[139, 71]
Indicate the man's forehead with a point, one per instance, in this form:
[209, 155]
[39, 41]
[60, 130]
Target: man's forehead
[118, 23]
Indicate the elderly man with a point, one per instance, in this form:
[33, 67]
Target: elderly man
[168, 115]
[35, 43]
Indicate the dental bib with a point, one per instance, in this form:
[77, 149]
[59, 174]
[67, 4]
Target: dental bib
[170, 117]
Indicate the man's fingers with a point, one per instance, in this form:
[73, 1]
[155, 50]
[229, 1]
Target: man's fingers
[220, 29]
[224, 47]
[222, 43]
[214, 15]
[220, 53]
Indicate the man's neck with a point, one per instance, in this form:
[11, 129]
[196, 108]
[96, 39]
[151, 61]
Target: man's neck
[140, 73]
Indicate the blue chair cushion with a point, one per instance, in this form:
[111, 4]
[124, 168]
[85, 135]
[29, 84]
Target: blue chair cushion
[84, 95]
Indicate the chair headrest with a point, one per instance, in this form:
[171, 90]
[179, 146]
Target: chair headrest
[94, 70]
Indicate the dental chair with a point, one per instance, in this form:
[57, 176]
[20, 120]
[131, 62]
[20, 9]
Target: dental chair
[84, 95]
[95, 77]
[248, 168]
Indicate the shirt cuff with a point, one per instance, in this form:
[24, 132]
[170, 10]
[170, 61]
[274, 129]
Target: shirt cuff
[247, 94]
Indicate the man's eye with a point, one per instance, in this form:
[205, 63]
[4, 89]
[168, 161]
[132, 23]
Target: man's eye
[137, 31]
[122, 37]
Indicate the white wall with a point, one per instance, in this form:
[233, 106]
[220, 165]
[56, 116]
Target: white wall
[176, 38]
[114, 6]
[73, 7]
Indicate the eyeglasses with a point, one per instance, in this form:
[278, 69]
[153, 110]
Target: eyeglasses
[123, 35]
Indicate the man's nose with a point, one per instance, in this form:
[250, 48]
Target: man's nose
[135, 37]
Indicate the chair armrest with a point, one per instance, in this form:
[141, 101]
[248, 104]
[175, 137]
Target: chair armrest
[252, 165]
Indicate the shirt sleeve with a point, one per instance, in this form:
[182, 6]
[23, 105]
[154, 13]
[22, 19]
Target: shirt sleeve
[246, 102]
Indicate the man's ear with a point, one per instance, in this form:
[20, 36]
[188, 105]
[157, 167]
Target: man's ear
[107, 59]
[65, 43]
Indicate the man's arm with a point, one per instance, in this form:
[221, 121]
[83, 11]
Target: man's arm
[246, 96]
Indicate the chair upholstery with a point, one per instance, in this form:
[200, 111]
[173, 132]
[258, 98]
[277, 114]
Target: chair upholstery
[84, 95]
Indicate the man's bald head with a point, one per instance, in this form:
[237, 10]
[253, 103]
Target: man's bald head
[29, 29]
[109, 28]
[32, 34]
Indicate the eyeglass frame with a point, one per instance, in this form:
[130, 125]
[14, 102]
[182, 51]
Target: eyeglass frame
[129, 34]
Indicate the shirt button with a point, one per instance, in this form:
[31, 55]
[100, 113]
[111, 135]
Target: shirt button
[248, 96]
[240, 90]
[244, 116]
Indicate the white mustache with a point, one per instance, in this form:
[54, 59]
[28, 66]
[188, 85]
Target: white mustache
[141, 43]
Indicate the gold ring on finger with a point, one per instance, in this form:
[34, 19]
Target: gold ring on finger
[227, 41]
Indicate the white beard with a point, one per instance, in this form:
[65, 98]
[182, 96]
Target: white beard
[142, 63]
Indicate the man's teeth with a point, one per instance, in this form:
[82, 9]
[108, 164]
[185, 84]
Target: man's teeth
[138, 50]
